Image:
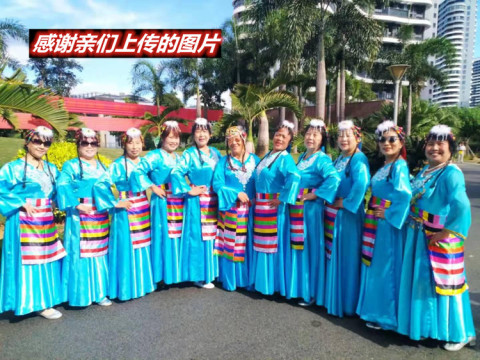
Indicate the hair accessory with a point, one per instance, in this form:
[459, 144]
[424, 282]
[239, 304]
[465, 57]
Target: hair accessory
[440, 133]
[317, 123]
[287, 124]
[133, 133]
[86, 132]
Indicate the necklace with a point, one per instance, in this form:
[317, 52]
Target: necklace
[432, 169]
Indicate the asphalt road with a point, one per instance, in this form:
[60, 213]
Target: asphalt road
[185, 322]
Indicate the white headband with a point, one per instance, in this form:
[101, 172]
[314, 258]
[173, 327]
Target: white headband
[201, 122]
[171, 124]
[287, 124]
[345, 125]
[86, 132]
[134, 133]
[44, 132]
[441, 130]
[317, 123]
[385, 126]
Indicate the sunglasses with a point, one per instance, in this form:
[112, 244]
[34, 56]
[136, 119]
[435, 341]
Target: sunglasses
[40, 142]
[390, 139]
[87, 143]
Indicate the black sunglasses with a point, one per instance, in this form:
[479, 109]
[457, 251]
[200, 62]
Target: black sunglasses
[40, 142]
[86, 143]
[390, 139]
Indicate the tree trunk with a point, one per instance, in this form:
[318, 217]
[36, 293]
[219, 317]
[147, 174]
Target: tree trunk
[295, 119]
[199, 104]
[263, 135]
[321, 80]
[400, 97]
[337, 99]
[409, 111]
[302, 119]
[282, 109]
[250, 146]
[342, 91]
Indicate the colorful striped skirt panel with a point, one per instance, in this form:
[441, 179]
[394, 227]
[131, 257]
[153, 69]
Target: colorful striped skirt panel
[138, 218]
[175, 210]
[39, 240]
[231, 240]
[370, 228]
[94, 231]
[208, 214]
[265, 237]
[297, 221]
[330, 213]
[446, 256]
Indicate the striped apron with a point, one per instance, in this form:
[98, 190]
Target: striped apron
[330, 213]
[175, 209]
[370, 228]
[39, 242]
[265, 237]
[94, 231]
[138, 218]
[231, 240]
[208, 214]
[446, 256]
[297, 221]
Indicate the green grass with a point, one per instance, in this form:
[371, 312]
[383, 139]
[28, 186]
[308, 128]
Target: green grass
[9, 148]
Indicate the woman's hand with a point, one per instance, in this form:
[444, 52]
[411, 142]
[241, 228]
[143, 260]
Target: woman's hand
[379, 213]
[338, 203]
[444, 234]
[30, 209]
[124, 204]
[197, 190]
[158, 191]
[308, 197]
[84, 208]
[243, 198]
[274, 203]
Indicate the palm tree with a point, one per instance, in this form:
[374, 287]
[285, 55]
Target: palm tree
[156, 122]
[186, 76]
[251, 102]
[15, 95]
[147, 79]
[10, 28]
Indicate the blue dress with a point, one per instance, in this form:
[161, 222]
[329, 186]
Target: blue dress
[25, 288]
[343, 265]
[155, 169]
[228, 183]
[307, 279]
[424, 312]
[197, 260]
[130, 269]
[277, 176]
[380, 282]
[85, 278]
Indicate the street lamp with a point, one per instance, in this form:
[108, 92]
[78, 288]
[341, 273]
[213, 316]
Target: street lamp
[397, 72]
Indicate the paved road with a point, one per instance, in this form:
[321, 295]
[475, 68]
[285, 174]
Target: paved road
[188, 323]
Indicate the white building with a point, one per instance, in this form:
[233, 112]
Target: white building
[475, 92]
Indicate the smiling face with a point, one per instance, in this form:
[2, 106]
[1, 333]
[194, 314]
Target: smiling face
[313, 139]
[281, 139]
[171, 142]
[37, 148]
[347, 141]
[88, 148]
[388, 147]
[134, 148]
[201, 137]
[437, 152]
[236, 145]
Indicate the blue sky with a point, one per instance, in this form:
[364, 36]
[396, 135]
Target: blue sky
[112, 75]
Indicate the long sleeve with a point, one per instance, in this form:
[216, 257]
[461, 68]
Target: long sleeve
[331, 180]
[9, 200]
[179, 183]
[227, 196]
[400, 196]
[361, 179]
[292, 180]
[459, 216]
[102, 190]
[140, 179]
[67, 188]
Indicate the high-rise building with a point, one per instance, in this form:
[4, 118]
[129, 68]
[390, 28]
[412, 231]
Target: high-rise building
[456, 22]
[475, 92]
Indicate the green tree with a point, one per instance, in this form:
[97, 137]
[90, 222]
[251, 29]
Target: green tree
[185, 75]
[10, 29]
[56, 74]
[156, 122]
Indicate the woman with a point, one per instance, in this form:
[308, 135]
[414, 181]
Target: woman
[434, 300]
[198, 263]
[30, 276]
[277, 183]
[130, 266]
[166, 210]
[344, 224]
[85, 269]
[382, 246]
[233, 182]
[319, 182]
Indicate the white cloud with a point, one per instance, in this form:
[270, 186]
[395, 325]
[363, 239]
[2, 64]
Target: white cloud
[18, 51]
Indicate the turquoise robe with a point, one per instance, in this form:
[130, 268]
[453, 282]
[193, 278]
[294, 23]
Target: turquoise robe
[155, 169]
[196, 255]
[85, 279]
[272, 271]
[25, 288]
[380, 282]
[307, 279]
[130, 270]
[343, 268]
[228, 184]
[422, 311]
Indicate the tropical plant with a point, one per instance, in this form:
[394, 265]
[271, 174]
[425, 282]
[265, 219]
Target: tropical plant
[10, 28]
[147, 80]
[185, 75]
[155, 122]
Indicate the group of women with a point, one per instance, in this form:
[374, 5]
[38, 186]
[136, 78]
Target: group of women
[269, 225]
